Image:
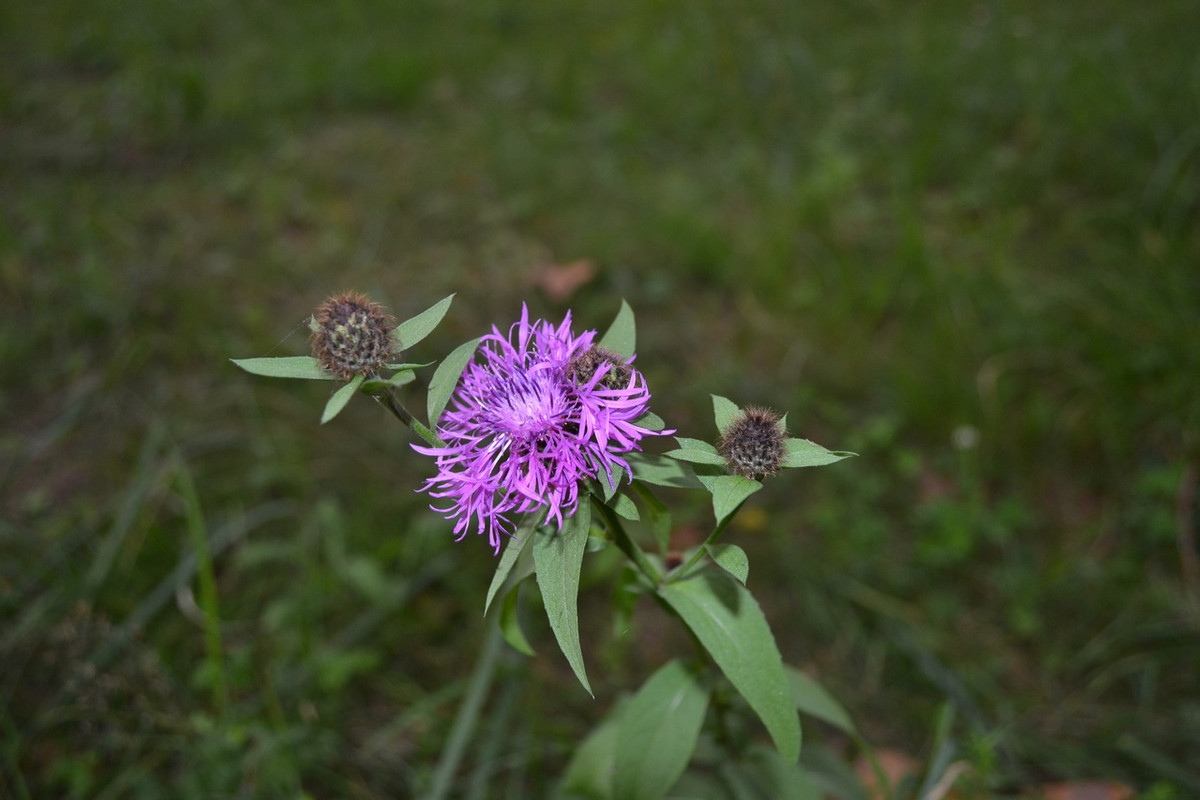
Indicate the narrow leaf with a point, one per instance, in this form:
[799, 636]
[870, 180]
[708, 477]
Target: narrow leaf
[662, 471]
[340, 398]
[728, 622]
[729, 492]
[510, 623]
[659, 516]
[803, 453]
[446, 377]
[732, 559]
[508, 559]
[650, 421]
[811, 698]
[589, 773]
[697, 457]
[784, 780]
[621, 336]
[558, 557]
[607, 490]
[725, 411]
[625, 508]
[415, 329]
[658, 733]
[695, 444]
[376, 385]
[305, 367]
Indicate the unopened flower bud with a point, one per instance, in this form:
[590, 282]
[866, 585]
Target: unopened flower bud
[351, 335]
[585, 365]
[752, 445]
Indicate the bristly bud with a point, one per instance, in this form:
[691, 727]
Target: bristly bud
[584, 366]
[351, 335]
[752, 445]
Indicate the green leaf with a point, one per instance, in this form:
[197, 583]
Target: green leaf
[510, 624]
[783, 780]
[697, 456]
[558, 557]
[446, 377]
[658, 733]
[589, 774]
[729, 492]
[832, 774]
[377, 385]
[811, 698]
[803, 453]
[728, 622]
[340, 398]
[725, 411]
[662, 471]
[508, 559]
[698, 445]
[650, 421]
[659, 516]
[607, 490]
[626, 508]
[621, 336]
[305, 367]
[732, 559]
[415, 329]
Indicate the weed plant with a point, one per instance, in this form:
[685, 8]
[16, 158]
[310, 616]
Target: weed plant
[961, 236]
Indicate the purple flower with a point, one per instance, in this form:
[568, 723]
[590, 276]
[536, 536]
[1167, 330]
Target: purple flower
[543, 411]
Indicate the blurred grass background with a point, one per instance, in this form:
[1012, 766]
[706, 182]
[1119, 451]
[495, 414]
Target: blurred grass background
[958, 238]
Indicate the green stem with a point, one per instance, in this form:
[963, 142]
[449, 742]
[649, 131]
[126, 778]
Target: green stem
[389, 401]
[468, 713]
[712, 537]
[627, 545]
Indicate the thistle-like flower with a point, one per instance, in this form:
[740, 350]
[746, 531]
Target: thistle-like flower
[526, 425]
[351, 335]
[753, 444]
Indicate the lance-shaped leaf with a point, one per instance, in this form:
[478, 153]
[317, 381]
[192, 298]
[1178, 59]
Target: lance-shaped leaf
[589, 774]
[380, 385]
[811, 698]
[657, 514]
[662, 471]
[416, 328]
[697, 452]
[512, 552]
[446, 377]
[728, 492]
[621, 336]
[725, 411]
[510, 623]
[658, 733]
[728, 622]
[340, 398]
[732, 559]
[625, 508]
[803, 453]
[558, 558]
[305, 367]
[650, 421]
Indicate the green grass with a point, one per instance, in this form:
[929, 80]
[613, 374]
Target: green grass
[894, 222]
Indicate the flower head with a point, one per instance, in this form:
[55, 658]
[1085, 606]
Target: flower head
[525, 427]
[351, 335]
[753, 444]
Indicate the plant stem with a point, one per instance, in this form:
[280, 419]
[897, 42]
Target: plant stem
[627, 545]
[468, 713]
[712, 537]
[389, 401]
